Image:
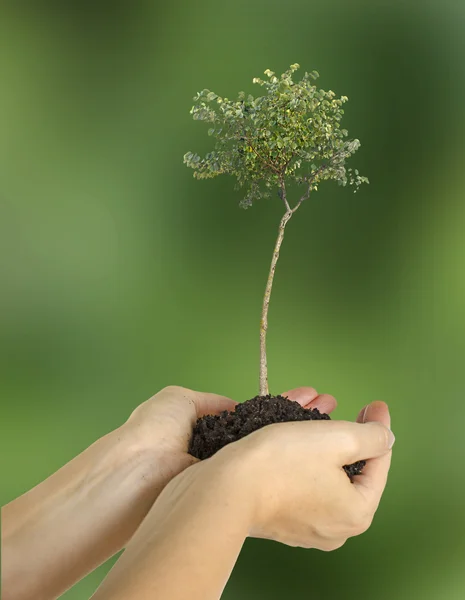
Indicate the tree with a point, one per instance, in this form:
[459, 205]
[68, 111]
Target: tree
[291, 134]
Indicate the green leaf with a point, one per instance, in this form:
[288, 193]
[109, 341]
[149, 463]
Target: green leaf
[293, 125]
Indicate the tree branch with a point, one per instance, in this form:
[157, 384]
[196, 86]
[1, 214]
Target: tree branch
[306, 196]
[307, 193]
[287, 164]
[269, 164]
[283, 193]
[310, 181]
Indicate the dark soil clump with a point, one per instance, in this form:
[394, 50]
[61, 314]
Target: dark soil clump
[213, 432]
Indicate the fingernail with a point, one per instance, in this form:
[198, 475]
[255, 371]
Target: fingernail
[391, 439]
[364, 413]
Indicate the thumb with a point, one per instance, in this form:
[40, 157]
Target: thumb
[212, 404]
[373, 479]
[362, 441]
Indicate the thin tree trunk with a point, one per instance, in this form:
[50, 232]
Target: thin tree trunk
[266, 302]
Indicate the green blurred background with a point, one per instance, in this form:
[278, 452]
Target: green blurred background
[122, 274]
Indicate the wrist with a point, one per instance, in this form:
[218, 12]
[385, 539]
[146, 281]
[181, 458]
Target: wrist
[238, 468]
[126, 451]
[217, 483]
[249, 461]
[199, 521]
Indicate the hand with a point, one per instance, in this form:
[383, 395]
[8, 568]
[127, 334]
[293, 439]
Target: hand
[163, 424]
[293, 476]
[162, 427]
[81, 515]
[283, 482]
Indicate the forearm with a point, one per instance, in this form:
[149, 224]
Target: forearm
[62, 529]
[188, 543]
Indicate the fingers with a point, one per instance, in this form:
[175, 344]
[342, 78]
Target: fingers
[302, 395]
[376, 411]
[372, 481]
[212, 404]
[308, 397]
[349, 442]
[324, 403]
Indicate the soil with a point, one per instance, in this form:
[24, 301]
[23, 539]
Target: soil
[213, 432]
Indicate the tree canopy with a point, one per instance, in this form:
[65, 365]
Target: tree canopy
[292, 133]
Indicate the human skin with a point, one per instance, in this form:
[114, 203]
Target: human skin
[260, 486]
[55, 534]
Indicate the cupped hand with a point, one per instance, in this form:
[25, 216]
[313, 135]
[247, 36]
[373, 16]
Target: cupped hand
[163, 424]
[292, 474]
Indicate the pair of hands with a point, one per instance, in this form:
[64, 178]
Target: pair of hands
[137, 487]
[289, 475]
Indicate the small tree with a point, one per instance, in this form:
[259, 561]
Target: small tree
[291, 134]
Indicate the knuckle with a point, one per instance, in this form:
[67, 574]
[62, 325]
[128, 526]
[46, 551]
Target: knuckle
[382, 434]
[172, 389]
[365, 523]
[332, 545]
[352, 442]
[362, 523]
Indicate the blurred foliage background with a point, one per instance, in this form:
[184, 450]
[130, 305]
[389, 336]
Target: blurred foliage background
[122, 274]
